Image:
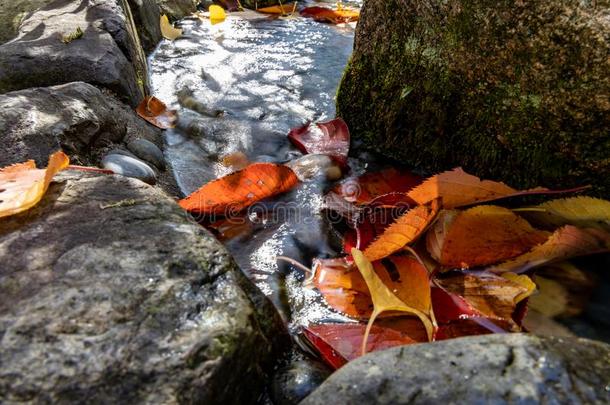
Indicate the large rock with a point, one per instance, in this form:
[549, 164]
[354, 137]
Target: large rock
[75, 117]
[146, 15]
[109, 293]
[177, 8]
[492, 369]
[12, 14]
[108, 53]
[513, 90]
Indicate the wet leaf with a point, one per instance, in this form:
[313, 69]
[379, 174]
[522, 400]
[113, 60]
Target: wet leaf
[585, 212]
[22, 185]
[280, 9]
[480, 236]
[384, 299]
[155, 111]
[328, 138]
[236, 191]
[564, 243]
[338, 343]
[217, 14]
[523, 281]
[324, 14]
[167, 29]
[405, 230]
[458, 188]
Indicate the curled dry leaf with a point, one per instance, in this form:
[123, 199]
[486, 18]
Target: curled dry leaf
[585, 212]
[338, 343]
[23, 185]
[324, 14]
[167, 29]
[236, 191]
[405, 230]
[328, 138]
[480, 236]
[155, 111]
[418, 301]
[564, 243]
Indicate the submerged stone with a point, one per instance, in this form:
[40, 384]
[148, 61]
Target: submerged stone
[130, 167]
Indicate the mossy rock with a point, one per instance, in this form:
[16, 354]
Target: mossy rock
[12, 14]
[510, 90]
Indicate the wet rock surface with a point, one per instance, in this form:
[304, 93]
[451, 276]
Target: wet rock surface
[76, 117]
[297, 379]
[508, 368]
[516, 91]
[177, 8]
[147, 151]
[116, 296]
[130, 167]
[48, 51]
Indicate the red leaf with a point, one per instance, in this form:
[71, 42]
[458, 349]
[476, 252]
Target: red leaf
[324, 14]
[241, 189]
[329, 138]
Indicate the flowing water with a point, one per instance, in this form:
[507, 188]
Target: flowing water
[240, 86]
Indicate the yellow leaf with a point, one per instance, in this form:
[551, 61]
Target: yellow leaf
[217, 14]
[523, 281]
[167, 30]
[22, 185]
[279, 9]
[552, 299]
[581, 211]
[383, 299]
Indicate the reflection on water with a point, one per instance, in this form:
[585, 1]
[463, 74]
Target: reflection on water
[267, 76]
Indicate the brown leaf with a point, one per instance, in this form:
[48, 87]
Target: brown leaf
[155, 111]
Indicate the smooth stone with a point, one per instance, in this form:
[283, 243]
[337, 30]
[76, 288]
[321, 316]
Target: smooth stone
[298, 379]
[148, 151]
[129, 167]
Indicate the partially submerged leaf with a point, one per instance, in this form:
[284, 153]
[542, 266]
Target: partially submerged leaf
[236, 191]
[217, 14]
[405, 230]
[22, 185]
[167, 29]
[328, 138]
[384, 300]
[480, 236]
[324, 14]
[564, 243]
[155, 111]
[281, 9]
[582, 211]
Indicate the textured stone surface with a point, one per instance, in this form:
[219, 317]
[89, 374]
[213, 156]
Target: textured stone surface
[146, 15]
[75, 117]
[12, 14]
[177, 8]
[491, 369]
[147, 151]
[512, 90]
[108, 53]
[110, 293]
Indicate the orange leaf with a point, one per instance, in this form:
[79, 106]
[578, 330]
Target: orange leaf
[404, 231]
[278, 9]
[480, 236]
[324, 14]
[564, 243]
[22, 185]
[155, 111]
[241, 189]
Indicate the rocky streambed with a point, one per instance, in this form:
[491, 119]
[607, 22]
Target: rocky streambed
[110, 292]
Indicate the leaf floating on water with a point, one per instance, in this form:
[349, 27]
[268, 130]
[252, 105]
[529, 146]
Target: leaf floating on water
[167, 29]
[236, 191]
[281, 9]
[480, 236]
[582, 211]
[405, 230]
[155, 111]
[564, 243]
[384, 300]
[324, 14]
[329, 138]
[217, 14]
[22, 185]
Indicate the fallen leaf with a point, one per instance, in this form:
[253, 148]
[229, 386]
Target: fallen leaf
[236, 191]
[235, 161]
[328, 138]
[458, 188]
[405, 230]
[552, 297]
[578, 284]
[480, 236]
[155, 111]
[217, 14]
[338, 343]
[585, 212]
[565, 243]
[524, 281]
[324, 14]
[22, 185]
[167, 30]
[281, 9]
[385, 300]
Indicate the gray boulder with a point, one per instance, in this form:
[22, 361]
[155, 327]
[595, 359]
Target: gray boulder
[491, 369]
[109, 293]
[147, 151]
[13, 12]
[48, 50]
[75, 117]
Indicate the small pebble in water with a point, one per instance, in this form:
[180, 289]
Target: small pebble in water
[147, 151]
[298, 379]
[129, 167]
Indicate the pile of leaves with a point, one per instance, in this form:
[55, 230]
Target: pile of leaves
[424, 259]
